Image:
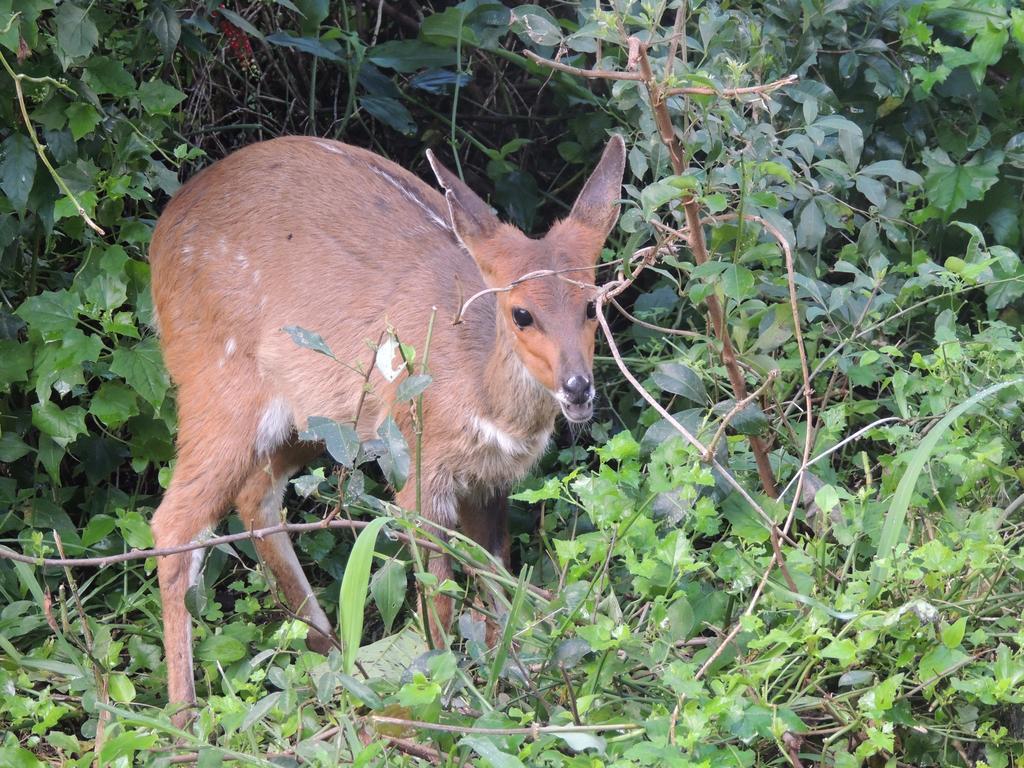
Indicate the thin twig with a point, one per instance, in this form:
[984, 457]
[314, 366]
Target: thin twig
[739, 406]
[534, 732]
[531, 276]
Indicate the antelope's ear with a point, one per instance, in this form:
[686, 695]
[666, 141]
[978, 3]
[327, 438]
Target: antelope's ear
[597, 206]
[471, 217]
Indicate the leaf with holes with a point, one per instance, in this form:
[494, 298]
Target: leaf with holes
[309, 340]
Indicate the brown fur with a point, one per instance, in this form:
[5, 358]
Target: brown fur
[332, 238]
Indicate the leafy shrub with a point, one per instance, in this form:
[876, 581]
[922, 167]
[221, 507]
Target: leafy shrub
[872, 619]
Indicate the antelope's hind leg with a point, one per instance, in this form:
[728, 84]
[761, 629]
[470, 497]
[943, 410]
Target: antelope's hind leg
[259, 506]
[214, 456]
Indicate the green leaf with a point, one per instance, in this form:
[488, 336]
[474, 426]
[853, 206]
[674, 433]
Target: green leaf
[900, 503]
[391, 112]
[159, 98]
[309, 340]
[810, 230]
[951, 187]
[223, 649]
[395, 460]
[17, 169]
[737, 282]
[341, 440]
[842, 650]
[114, 403]
[15, 361]
[412, 386]
[533, 23]
[97, 529]
[410, 55]
[142, 368]
[76, 33]
[352, 600]
[680, 379]
[106, 75]
[121, 688]
[313, 14]
[490, 752]
[12, 448]
[894, 170]
[953, 634]
[388, 589]
[62, 425]
[308, 45]
[50, 314]
[82, 118]
[239, 21]
[163, 22]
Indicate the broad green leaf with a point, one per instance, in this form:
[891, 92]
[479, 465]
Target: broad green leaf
[395, 460]
[391, 112]
[894, 170]
[354, 592]
[143, 369]
[221, 648]
[12, 448]
[114, 403]
[341, 440]
[159, 98]
[121, 688]
[308, 45]
[680, 379]
[239, 21]
[63, 425]
[388, 589]
[951, 187]
[737, 282]
[487, 749]
[953, 634]
[82, 118]
[810, 230]
[106, 75]
[412, 386]
[15, 362]
[163, 22]
[313, 13]
[17, 169]
[76, 33]
[410, 56]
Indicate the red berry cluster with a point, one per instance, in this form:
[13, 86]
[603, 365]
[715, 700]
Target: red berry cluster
[239, 45]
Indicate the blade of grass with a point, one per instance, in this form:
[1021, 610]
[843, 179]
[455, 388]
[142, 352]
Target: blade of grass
[900, 503]
[355, 591]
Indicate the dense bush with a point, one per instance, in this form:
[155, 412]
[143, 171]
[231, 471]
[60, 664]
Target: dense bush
[871, 619]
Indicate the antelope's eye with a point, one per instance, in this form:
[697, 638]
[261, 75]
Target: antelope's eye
[591, 310]
[521, 317]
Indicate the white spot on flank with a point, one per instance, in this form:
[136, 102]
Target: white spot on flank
[275, 426]
[186, 254]
[490, 432]
[242, 261]
[229, 347]
[256, 277]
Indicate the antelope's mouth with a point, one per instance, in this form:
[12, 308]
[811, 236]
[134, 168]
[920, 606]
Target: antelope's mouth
[576, 412]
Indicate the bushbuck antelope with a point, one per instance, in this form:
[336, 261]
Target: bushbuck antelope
[307, 232]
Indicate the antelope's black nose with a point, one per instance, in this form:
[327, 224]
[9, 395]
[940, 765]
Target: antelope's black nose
[577, 389]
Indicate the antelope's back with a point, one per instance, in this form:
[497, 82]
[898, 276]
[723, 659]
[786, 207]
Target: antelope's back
[307, 232]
